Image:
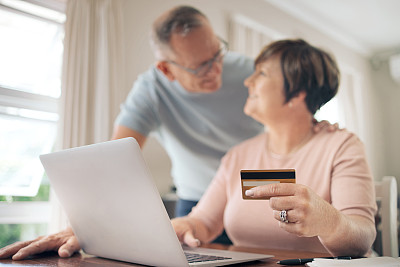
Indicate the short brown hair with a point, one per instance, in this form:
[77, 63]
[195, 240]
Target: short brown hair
[304, 68]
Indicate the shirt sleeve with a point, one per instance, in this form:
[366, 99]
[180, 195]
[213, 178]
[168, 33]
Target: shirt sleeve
[353, 190]
[139, 111]
[211, 207]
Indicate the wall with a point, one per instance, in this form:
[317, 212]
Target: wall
[380, 148]
[387, 93]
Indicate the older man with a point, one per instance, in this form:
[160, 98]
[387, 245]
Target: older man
[192, 99]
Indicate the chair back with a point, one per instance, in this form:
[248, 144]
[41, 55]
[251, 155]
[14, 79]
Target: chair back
[386, 194]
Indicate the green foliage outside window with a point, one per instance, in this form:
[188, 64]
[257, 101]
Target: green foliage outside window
[11, 233]
[42, 195]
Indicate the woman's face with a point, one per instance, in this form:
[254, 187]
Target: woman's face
[266, 99]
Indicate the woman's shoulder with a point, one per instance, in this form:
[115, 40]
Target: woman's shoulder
[339, 135]
[337, 139]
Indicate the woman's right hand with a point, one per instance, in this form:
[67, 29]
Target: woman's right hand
[65, 242]
[185, 230]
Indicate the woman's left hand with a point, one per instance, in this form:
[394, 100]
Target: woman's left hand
[307, 213]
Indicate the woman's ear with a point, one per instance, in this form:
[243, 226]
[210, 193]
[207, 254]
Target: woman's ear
[299, 98]
[164, 67]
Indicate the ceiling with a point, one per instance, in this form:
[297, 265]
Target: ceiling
[369, 26]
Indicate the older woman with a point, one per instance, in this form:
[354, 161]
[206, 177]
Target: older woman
[331, 206]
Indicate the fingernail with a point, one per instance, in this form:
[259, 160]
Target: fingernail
[65, 253]
[249, 193]
[198, 242]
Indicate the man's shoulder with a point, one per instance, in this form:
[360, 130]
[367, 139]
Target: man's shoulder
[237, 60]
[151, 80]
[150, 75]
[237, 68]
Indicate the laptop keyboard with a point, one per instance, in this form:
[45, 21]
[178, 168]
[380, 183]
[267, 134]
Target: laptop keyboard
[194, 257]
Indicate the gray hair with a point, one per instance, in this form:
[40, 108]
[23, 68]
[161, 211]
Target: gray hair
[179, 20]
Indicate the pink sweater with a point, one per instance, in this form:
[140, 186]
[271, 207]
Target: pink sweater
[333, 164]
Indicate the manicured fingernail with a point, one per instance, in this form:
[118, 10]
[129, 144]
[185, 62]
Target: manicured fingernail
[249, 193]
[198, 242]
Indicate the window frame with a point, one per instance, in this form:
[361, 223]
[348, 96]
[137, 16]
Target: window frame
[29, 212]
[25, 100]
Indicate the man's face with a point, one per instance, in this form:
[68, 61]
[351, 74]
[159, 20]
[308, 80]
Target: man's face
[195, 51]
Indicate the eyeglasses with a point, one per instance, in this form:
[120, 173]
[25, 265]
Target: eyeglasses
[204, 68]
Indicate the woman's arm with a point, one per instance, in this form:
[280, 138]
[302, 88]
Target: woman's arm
[353, 235]
[309, 215]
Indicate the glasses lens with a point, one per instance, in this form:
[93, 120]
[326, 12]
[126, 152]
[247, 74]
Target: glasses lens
[203, 70]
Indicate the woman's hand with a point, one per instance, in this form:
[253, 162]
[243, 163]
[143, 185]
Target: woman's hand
[185, 230]
[307, 214]
[65, 242]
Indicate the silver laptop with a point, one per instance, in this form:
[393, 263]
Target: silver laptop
[116, 211]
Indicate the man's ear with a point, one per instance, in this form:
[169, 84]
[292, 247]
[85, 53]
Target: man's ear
[164, 67]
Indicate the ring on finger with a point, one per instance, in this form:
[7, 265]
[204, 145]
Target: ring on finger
[283, 216]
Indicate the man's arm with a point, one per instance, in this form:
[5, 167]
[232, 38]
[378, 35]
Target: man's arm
[121, 131]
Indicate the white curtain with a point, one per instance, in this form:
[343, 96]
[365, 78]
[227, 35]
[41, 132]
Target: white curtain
[92, 78]
[249, 37]
[349, 109]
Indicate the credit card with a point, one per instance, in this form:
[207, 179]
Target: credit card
[253, 178]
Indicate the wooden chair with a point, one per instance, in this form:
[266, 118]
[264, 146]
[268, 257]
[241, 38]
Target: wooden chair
[386, 197]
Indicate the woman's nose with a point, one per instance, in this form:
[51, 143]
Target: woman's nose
[247, 81]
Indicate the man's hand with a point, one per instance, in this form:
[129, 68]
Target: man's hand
[319, 126]
[65, 242]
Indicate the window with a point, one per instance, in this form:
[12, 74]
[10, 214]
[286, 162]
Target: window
[330, 112]
[30, 86]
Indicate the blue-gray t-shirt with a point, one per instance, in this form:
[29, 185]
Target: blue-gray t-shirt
[196, 129]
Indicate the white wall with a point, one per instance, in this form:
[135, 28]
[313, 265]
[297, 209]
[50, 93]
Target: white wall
[387, 94]
[378, 103]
